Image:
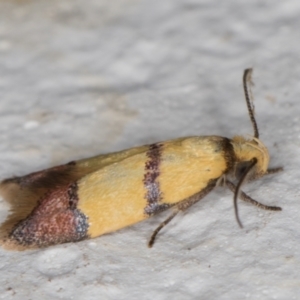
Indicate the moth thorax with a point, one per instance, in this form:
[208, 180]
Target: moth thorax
[247, 149]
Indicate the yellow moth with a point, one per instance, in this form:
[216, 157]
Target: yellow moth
[90, 197]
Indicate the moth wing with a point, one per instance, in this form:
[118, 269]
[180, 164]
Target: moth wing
[19, 190]
[146, 183]
[24, 192]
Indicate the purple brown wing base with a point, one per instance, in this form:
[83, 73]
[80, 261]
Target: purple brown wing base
[44, 209]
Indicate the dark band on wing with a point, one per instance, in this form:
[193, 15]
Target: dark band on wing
[48, 178]
[151, 180]
[228, 153]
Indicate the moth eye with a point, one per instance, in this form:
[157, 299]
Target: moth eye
[241, 168]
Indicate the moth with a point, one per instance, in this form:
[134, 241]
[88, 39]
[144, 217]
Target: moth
[90, 197]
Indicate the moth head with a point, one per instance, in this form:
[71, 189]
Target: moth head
[247, 150]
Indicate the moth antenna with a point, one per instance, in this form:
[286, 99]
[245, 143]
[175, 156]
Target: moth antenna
[247, 83]
[238, 189]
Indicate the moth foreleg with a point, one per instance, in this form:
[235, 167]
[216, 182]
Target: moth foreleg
[274, 170]
[248, 199]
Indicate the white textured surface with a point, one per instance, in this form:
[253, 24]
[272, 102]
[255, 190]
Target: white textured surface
[78, 78]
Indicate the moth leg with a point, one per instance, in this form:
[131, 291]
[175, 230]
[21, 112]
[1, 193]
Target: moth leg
[158, 229]
[269, 172]
[274, 170]
[182, 206]
[248, 199]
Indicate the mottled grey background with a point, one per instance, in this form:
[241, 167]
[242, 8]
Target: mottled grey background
[78, 78]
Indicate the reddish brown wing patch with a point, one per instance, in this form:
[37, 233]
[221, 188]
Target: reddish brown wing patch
[55, 220]
[25, 193]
